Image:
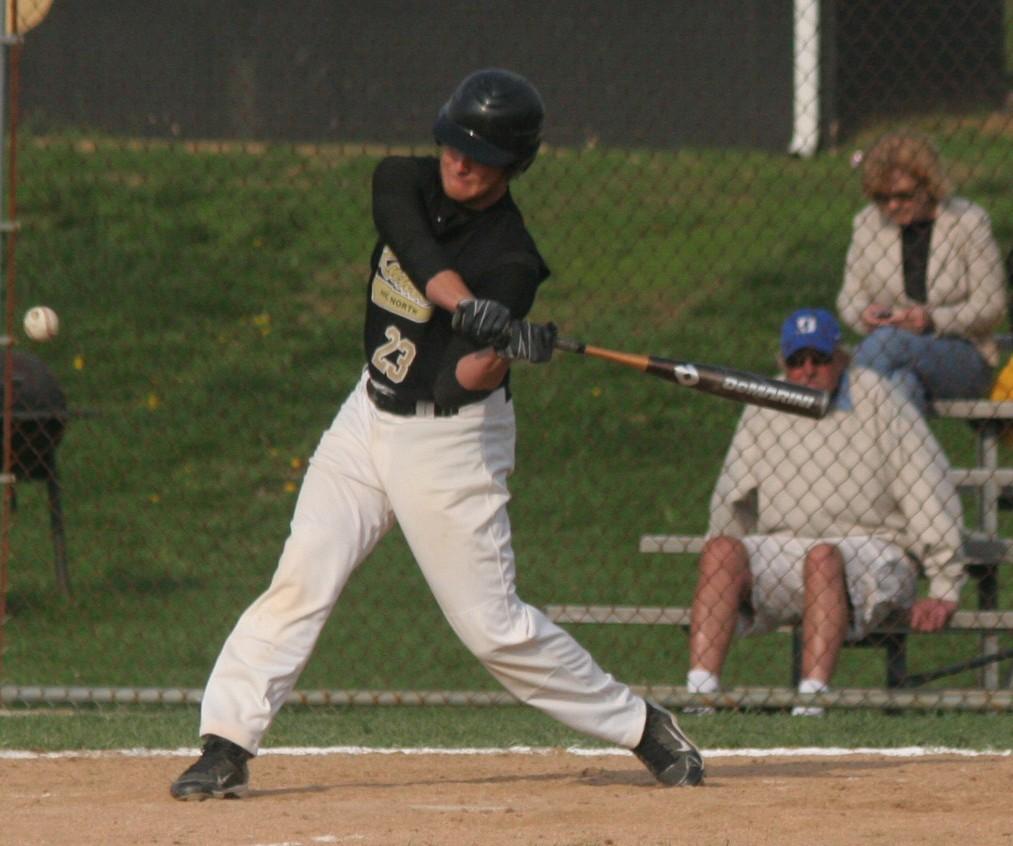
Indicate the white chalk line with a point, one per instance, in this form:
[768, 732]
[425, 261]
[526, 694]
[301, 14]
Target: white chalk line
[307, 751]
[322, 838]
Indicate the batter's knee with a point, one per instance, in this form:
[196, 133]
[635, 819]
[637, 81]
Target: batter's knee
[489, 638]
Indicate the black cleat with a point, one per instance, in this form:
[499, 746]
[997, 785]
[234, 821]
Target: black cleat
[219, 773]
[665, 750]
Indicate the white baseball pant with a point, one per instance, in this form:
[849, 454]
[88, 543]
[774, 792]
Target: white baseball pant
[444, 481]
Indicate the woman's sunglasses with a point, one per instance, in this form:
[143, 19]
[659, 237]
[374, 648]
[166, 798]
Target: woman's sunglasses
[883, 198]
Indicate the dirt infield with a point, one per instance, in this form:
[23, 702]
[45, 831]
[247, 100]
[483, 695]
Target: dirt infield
[549, 799]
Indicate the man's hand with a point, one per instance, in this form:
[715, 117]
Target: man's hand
[930, 615]
[532, 342]
[486, 322]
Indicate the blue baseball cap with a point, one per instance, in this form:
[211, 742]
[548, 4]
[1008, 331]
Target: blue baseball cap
[810, 329]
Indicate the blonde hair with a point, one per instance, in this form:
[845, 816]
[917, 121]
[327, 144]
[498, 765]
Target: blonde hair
[907, 152]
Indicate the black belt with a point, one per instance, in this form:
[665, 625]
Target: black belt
[407, 408]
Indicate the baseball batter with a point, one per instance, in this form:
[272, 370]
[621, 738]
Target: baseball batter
[426, 438]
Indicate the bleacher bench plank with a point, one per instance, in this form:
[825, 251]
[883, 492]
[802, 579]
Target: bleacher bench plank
[962, 621]
[978, 549]
[982, 409]
[976, 477]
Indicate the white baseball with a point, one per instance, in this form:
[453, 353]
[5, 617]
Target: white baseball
[41, 323]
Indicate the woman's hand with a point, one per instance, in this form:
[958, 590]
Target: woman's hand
[875, 315]
[915, 319]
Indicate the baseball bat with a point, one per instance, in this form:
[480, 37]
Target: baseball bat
[738, 385]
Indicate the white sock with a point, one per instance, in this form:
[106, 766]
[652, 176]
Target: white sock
[702, 681]
[812, 686]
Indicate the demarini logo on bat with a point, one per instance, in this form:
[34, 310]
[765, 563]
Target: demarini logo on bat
[759, 390]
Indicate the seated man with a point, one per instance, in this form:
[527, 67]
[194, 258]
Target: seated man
[825, 521]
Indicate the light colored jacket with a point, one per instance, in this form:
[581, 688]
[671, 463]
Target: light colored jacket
[872, 469]
[965, 285]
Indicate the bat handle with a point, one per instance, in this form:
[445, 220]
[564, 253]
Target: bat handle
[570, 345]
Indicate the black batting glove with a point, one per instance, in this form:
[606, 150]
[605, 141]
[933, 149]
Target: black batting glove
[486, 322]
[532, 342]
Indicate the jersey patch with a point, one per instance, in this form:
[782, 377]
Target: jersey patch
[393, 291]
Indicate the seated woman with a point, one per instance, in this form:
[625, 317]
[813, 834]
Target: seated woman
[923, 277]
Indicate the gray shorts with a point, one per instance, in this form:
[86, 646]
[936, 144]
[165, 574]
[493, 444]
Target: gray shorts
[880, 578]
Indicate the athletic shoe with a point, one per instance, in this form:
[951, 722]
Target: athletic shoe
[665, 750]
[220, 773]
[808, 686]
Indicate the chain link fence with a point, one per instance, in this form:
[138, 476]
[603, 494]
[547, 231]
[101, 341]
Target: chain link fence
[189, 190]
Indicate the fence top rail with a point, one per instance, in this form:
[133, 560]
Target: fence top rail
[961, 699]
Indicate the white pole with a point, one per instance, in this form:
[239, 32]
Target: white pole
[5, 31]
[806, 130]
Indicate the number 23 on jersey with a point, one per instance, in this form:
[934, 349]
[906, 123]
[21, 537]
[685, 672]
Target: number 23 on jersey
[395, 357]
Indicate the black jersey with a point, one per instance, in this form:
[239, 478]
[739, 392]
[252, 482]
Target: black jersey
[409, 344]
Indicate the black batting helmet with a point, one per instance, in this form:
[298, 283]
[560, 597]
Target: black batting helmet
[494, 116]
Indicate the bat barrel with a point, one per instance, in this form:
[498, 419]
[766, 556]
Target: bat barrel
[768, 393]
[742, 386]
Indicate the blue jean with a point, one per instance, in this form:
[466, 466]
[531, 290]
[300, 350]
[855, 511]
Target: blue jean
[926, 367]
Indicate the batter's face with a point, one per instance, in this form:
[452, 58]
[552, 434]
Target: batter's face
[471, 183]
[816, 369]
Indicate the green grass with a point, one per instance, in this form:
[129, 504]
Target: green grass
[492, 727]
[211, 306]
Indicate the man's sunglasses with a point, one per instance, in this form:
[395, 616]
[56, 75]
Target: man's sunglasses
[796, 360]
[882, 198]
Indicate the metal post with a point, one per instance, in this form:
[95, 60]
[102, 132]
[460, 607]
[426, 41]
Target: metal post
[988, 516]
[5, 466]
[9, 43]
